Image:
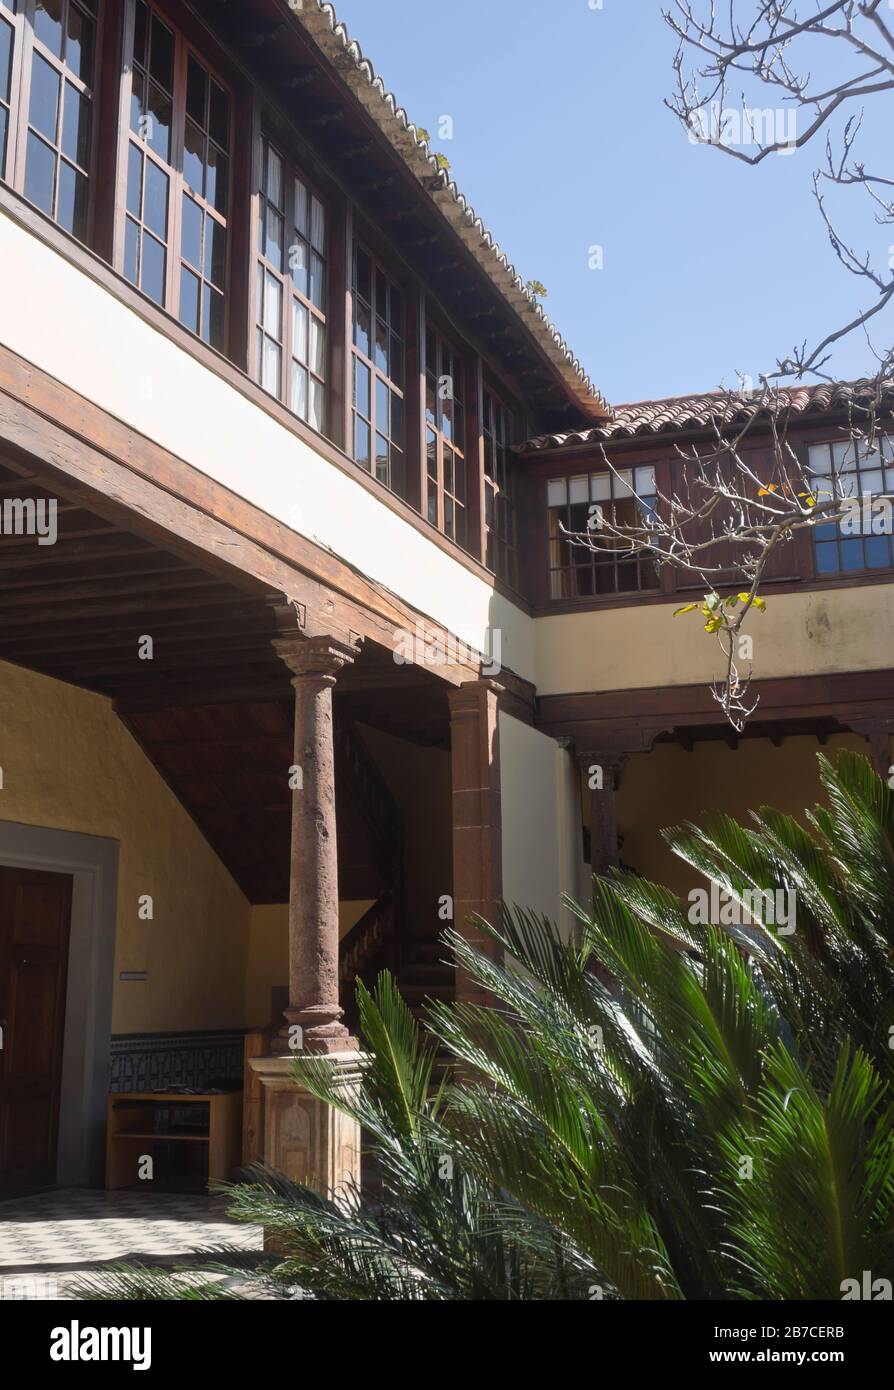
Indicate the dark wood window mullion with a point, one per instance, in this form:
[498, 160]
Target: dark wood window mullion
[178, 183]
[16, 23]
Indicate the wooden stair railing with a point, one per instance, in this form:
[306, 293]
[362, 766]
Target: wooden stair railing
[371, 946]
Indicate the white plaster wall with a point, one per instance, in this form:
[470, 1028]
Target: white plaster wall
[60, 320]
[542, 851]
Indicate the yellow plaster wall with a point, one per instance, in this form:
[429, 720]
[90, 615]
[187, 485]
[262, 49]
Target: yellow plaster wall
[70, 764]
[669, 785]
[823, 631]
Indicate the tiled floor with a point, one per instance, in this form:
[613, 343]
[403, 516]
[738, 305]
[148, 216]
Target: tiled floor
[46, 1237]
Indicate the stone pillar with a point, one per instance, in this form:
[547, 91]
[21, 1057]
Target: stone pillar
[313, 886]
[301, 1136]
[602, 772]
[477, 818]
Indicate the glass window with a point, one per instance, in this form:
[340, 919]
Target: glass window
[500, 516]
[849, 469]
[55, 152]
[445, 504]
[378, 367]
[290, 348]
[579, 505]
[177, 204]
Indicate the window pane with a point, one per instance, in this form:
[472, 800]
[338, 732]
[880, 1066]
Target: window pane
[44, 108]
[2, 141]
[217, 186]
[271, 369]
[299, 330]
[189, 300]
[397, 361]
[134, 181]
[317, 281]
[153, 269]
[215, 252]
[273, 239]
[156, 128]
[299, 390]
[826, 558]
[76, 127]
[397, 310]
[852, 555]
[48, 24]
[361, 441]
[317, 225]
[213, 317]
[361, 329]
[302, 199]
[71, 209]
[315, 405]
[273, 305]
[818, 458]
[644, 482]
[141, 28]
[556, 492]
[161, 58]
[194, 158]
[132, 251]
[361, 388]
[878, 552]
[40, 174]
[381, 459]
[274, 177]
[317, 336]
[191, 237]
[298, 264]
[219, 116]
[196, 91]
[79, 46]
[381, 353]
[381, 405]
[155, 208]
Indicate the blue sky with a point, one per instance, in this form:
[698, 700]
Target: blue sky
[562, 142]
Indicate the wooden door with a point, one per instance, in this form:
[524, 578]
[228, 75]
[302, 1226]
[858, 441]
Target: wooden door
[35, 919]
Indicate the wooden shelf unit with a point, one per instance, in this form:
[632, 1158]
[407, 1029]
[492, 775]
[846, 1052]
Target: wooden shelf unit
[127, 1115]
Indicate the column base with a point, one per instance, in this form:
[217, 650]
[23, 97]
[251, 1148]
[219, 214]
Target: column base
[302, 1137]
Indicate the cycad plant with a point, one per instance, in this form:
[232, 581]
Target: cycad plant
[651, 1109]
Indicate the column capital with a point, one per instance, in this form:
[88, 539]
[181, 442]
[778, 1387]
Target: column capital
[468, 696]
[611, 760]
[310, 658]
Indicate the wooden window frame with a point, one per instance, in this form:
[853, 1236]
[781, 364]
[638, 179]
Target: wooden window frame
[493, 401]
[26, 46]
[185, 45]
[886, 467]
[291, 173]
[588, 562]
[378, 375]
[436, 489]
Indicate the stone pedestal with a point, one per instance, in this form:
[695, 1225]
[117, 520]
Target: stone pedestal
[302, 1137]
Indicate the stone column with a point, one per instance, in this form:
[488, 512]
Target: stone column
[301, 1136]
[602, 771]
[313, 886]
[477, 817]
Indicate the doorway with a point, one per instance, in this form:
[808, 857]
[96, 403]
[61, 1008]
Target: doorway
[35, 926]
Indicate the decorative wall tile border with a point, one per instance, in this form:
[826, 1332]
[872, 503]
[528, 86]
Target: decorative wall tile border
[152, 1061]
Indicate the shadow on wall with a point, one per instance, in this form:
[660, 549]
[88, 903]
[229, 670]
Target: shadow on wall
[670, 785]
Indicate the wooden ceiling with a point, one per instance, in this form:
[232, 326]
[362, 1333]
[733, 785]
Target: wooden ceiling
[213, 707]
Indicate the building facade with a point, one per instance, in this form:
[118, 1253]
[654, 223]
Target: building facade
[296, 665]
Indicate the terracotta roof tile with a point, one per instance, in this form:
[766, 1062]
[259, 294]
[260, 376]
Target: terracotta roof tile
[679, 414]
[346, 55]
